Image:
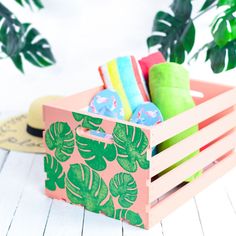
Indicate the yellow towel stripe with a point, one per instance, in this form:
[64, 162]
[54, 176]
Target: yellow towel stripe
[118, 87]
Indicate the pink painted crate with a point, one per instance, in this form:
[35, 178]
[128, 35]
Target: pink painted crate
[117, 175]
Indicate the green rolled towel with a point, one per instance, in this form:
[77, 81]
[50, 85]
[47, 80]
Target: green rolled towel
[170, 92]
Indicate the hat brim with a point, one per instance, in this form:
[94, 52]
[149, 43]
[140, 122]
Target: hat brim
[13, 136]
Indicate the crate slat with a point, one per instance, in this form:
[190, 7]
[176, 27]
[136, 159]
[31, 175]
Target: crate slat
[192, 143]
[176, 176]
[191, 117]
[163, 208]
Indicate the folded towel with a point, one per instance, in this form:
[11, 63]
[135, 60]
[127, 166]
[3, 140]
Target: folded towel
[124, 75]
[147, 62]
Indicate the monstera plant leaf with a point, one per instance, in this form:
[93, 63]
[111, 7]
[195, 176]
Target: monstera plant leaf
[95, 152]
[123, 186]
[222, 58]
[207, 4]
[30, 3]
[84, 186]
[60, 137]
[224, 28]
[132, 217]
[20, 40]
[174, 34]
[11, 32]
[131, 143]
[88, 122]
[55, 174]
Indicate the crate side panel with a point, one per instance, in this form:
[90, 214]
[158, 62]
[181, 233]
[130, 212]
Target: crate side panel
[191, 117]
[177, 152]
[126, 205]
[176, 176]
[163, 208]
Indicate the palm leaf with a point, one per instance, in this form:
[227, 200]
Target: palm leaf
[131, 143]
[95, 152]
[84, 186]
[123, 186]
[55, 174]
[60, 138]
[130, 216]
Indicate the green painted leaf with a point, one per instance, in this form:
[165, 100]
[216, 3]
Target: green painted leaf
[88, 122]
[131, 143]
[84, 186]
[174, 35]
[132, 217]
[55, 174]
[207, 4]
[60, 137]
[123, 186]
[30, 3]
[95, 152]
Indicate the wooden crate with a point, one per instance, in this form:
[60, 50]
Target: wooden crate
[117, 175]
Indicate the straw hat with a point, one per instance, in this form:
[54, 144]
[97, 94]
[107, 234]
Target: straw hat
[24, 132]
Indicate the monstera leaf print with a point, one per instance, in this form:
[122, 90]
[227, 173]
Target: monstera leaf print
[55, 175]
[84, 186]
[60, 137]
[123, 186]
[88, 122]
[95, 152]
[132, 217]
[131, 143]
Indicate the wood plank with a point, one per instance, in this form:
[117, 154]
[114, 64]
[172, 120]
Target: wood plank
[192, 143]
[64, 219]
[176, 176]
[191, 117]
[13, 177]
[33, 206]
[162, 209]
[98, 224]
[216, 213]
[130, 230]
[184, 221]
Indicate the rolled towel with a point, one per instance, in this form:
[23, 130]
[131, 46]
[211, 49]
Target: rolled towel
[170, 92]
[124, 75]
[147, 62]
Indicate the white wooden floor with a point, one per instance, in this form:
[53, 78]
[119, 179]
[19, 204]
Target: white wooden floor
[26, 211]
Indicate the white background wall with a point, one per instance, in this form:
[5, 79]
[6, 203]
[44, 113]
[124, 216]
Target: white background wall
[83, 35]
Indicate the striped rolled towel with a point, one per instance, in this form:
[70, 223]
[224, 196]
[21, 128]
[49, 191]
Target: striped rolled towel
[124, 75]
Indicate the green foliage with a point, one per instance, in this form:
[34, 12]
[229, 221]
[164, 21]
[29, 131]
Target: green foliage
[55, 174]
[30, 3]
[95, 153]
[131, 143]
[84, 186]
[174, 34]
[123, 186]
[20, 41]
[60, 137]
[88, 122]
[132, 217]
